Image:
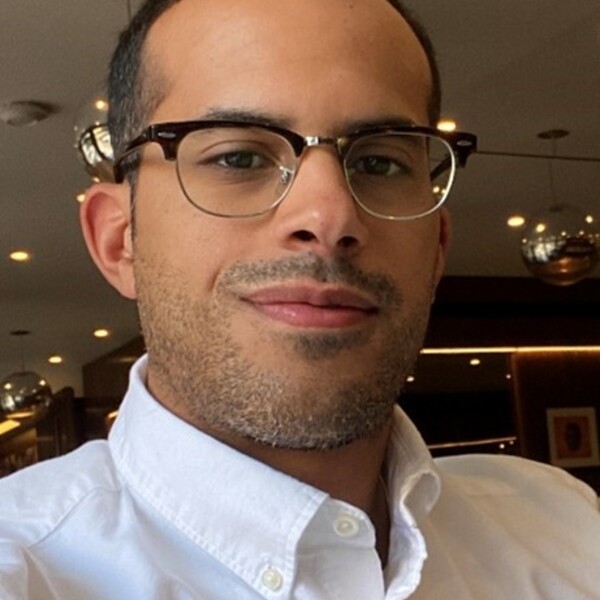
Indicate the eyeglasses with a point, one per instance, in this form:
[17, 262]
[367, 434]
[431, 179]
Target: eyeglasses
[238, 169]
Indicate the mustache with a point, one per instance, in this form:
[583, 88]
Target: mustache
[333, 271]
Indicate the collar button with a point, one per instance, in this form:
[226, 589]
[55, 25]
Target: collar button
[272, 579]
[346, 526]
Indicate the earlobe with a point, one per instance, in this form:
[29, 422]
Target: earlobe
[105, 217]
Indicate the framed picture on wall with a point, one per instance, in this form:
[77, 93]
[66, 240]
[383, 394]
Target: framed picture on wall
[573, 437]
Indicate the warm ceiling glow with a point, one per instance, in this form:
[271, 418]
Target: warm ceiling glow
[589, 219]
[475, 362]
[516, 221]
[540, 228]
[508, 349]
[446, 125]
[410, 379]
[55, 360]
[101, 333]
[80, 198]
[101, 104]
[22, 414]
[508, 376]
[20, 256]
[8, 425]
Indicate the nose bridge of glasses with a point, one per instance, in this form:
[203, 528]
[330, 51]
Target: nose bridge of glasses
[336, 144]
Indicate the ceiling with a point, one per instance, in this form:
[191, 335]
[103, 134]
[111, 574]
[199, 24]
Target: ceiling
[511, 69]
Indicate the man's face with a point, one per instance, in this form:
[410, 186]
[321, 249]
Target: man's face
[298, 327]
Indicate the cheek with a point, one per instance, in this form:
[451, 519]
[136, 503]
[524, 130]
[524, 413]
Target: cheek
[410, 251]
[171, 234]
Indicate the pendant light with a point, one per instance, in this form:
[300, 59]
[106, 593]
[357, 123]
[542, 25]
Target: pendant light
[23, 390]
[560, 245]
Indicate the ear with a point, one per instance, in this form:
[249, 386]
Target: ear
[105, 217]
[445, 234]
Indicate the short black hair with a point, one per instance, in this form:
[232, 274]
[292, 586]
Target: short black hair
[133, 95]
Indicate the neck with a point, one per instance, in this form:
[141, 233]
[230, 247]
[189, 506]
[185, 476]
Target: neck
[353, 473]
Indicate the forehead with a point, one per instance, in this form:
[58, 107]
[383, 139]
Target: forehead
[309, 60]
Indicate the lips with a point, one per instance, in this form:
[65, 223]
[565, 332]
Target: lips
[312, 306]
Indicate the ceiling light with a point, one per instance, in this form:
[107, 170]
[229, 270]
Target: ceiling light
[20, 256]
[589, 219]
[516, 221]
[553, 258]
[410, 379]
[101, 333]
[23, 390]
[55, 360]
[23, 113]
[475, 362]
[448, 125]
[92, 138]
[101, 104]
[80, 198]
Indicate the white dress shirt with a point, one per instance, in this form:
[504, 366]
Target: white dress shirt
[164, 512]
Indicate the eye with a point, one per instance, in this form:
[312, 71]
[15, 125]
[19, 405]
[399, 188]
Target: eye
[241, 159]
[377, 165]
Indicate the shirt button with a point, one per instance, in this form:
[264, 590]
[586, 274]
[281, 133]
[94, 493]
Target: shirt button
[272, 578]
[346, 526]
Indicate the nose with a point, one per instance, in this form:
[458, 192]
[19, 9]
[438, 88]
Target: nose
[319, 213]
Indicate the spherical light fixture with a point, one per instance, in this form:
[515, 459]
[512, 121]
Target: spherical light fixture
[92, 139]
[24, 390]
[560, 246]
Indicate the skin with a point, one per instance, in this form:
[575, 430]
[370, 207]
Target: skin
[317, 79]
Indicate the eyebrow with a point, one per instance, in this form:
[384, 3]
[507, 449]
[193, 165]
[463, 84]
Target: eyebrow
[247, 116]
[262, 118]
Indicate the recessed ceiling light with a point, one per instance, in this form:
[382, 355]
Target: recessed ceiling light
[101, 104]
[101, 333]
[20, 256]
[410, 379]
[589, 219]
[55, 359]
[80, 198]
[446, 125]
[516, 221]
[475, 362]
[508, 376]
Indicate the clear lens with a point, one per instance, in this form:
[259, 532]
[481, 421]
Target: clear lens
[400, 176]
[235, 172]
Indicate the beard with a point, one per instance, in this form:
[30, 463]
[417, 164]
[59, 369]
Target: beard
[293, 389]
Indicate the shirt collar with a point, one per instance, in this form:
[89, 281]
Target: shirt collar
[183, 473]
[413, 481]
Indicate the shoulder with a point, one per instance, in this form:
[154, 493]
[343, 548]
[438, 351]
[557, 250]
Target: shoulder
[37, 499]
[499, 475]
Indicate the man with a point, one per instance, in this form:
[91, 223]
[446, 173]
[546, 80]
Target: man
[277, 217]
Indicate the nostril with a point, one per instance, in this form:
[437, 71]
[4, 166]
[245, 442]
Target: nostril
[348, 241]
[304, 236]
